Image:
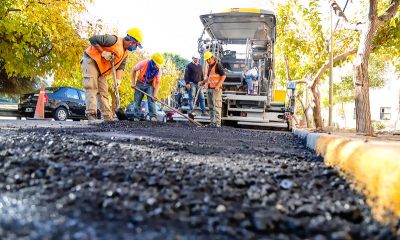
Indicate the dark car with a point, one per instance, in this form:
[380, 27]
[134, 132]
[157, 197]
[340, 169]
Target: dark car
[61, 103]
[161, 116]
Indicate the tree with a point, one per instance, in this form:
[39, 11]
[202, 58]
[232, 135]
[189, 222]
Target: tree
[169, 79]
[343, 91]
[42, 37]
[180, 63]
[301, 49]
[371, 32]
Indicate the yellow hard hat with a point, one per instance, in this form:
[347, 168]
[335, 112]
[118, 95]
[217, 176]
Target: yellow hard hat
[136, 35]
[207, 55]
[158, 59]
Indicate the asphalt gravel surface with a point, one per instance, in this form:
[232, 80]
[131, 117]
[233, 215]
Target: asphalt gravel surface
[150, 180]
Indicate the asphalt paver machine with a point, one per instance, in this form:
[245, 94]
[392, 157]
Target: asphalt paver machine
[242, 40]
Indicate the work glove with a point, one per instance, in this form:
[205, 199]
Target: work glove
[107, 56]
[118, 83]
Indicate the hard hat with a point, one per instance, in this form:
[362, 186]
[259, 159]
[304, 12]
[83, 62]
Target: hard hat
[136, 35]
[196, 55]
[207, 55]
[158, 59]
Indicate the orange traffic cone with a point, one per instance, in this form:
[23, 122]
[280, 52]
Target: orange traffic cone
[39, 111]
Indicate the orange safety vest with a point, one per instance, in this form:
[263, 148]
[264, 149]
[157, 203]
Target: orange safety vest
[213, 78]
[103, 64]
[143, 72]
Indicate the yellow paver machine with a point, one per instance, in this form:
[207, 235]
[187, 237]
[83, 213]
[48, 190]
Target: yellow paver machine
[242, 40]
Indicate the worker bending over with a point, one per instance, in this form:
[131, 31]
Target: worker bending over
[215, 76]
[149, 81]
[95, 65]
[194, 75]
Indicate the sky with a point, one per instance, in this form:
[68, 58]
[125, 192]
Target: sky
[168, 26]
[172, 26]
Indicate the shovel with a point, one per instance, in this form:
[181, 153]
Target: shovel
[118, 111]
[193, 121]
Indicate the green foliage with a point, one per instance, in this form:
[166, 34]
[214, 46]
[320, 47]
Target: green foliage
[74, 79]
[377, 125]
[343, 91]
[180, 63]
[303, 40]
[40, 37]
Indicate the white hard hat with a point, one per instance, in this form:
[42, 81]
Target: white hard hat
[196, 55]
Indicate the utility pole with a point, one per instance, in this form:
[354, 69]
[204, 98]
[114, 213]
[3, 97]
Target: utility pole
[305, 96]
[331, 72]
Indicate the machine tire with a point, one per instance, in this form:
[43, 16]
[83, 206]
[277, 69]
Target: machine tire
[61, 114]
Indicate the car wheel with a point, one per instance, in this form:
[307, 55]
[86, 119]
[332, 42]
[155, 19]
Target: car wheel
[61, 114]
[164, 120]
[147, 118]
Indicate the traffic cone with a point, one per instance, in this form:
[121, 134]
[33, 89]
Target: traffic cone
[39, 111]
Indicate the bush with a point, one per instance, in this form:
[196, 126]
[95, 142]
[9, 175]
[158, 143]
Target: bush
[378, 125]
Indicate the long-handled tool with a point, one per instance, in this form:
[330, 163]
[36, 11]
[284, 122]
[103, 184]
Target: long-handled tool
[148, 95]
[118, 111]
[191, 115]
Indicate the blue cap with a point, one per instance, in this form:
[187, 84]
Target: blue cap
[135, 41]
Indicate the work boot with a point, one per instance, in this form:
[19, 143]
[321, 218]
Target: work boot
[153, 119]
[92, 119]
[136, 120]
[111, 119]
[205, 115]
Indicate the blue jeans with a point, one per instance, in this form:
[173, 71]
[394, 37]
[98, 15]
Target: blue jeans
[137, 101]
[192, 95]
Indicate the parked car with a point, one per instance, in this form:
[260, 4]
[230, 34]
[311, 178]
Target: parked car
[4, 100]
[61, 103]
[169, 112]
[161, 116]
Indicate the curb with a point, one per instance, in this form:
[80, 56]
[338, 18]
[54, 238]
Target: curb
[370, 167]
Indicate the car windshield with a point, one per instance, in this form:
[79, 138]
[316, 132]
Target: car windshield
[49, 90]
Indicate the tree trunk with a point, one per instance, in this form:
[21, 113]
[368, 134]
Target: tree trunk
[305, 112]
[361, 78]
[317, 107]
[361, 89]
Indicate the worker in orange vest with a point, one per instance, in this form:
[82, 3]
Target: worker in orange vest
[96, 65]
[149, 81]
[215, 77]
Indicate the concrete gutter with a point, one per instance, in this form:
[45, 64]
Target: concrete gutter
[370, 167]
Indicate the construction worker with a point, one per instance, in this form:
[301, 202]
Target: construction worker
[194, 75]
[96, 65]
[149, 81]
[215, 77]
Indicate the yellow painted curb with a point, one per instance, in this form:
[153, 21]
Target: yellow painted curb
[372, 168]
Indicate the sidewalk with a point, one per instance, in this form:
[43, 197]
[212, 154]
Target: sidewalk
[370, 164]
